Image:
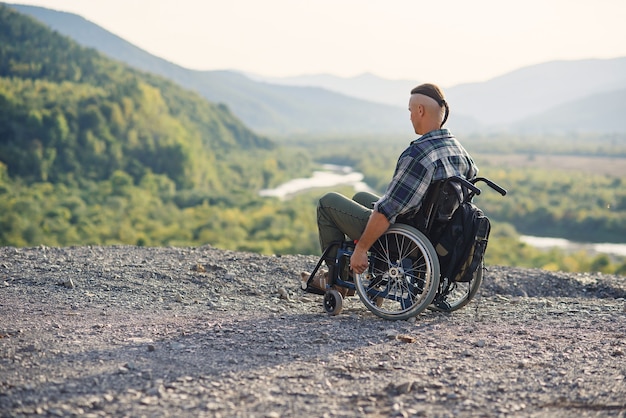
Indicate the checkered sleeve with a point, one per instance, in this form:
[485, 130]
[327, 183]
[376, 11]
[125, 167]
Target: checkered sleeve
[435, 156]
[409, 184]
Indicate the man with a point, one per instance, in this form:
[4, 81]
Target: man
[435, 155]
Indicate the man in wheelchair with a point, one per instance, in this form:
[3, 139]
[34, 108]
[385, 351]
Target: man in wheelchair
[435, 155]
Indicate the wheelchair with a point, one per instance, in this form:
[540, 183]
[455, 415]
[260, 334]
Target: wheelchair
[403, 278]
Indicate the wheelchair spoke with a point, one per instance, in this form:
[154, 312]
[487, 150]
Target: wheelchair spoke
[384, 251]
[403, 275]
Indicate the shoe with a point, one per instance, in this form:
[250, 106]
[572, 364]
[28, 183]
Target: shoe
[345, 292]
[442, 304]
[350, 292]
[318, 282]
[376, 283]
[378, 300]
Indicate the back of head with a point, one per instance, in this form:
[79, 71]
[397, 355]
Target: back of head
[434, 92]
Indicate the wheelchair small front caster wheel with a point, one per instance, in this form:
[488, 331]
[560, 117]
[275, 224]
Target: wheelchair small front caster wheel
[333, 302]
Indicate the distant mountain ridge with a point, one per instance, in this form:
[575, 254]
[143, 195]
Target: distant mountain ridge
[602, 112]
[267, 108]
[365, 86]
[523, 99]
[517, 100]
[532, 90]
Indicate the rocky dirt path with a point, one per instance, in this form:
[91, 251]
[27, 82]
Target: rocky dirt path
[199, 332]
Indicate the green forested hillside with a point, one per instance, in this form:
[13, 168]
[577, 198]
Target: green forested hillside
[568, 196]
[92, 151]
[558, 186]
[68, 113]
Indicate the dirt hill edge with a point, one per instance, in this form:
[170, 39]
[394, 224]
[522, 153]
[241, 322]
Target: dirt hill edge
[135, 331]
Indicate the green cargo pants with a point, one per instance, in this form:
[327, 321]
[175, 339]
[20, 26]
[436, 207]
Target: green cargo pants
[338, 217]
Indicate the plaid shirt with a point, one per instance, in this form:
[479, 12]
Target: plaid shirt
[434, 156]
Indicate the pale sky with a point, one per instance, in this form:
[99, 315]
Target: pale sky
[447, 42]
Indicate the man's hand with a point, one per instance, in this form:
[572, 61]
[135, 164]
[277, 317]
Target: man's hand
[358, 261]
[376, 226]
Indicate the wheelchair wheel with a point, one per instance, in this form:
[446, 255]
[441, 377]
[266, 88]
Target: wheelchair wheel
[458, 294]
[333, 302]
[403, 275]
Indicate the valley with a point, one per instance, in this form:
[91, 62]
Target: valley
[100, 153]
[609, 166]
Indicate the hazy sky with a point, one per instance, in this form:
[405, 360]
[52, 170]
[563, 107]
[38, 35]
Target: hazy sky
[446, 42]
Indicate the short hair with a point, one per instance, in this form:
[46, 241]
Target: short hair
[434, 92]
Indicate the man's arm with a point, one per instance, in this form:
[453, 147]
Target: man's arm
[376, 226]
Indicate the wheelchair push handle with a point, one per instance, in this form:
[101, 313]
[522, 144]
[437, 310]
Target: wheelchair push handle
[471, 185]
[491, 184]
[465, 183]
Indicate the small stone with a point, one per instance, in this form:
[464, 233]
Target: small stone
[391, 334]
[69, 283]
[148, 400]
[283, 294]
[406, 338]
[177, 346]
[404, 387]
[213, 406]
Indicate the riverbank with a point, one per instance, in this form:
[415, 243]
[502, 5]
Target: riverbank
[618, 250]
[330, 176]
[334, 175]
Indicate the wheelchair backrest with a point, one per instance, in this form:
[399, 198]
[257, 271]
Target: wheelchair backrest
[440, 202]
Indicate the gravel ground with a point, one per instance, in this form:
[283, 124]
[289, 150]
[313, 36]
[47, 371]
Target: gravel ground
[132, 331]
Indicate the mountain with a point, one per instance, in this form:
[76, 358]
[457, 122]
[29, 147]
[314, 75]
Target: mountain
[600, 112]
[533, 90]
[519, 100]
[365, 86]
[68, 113]
[367, 103]
[265, 107]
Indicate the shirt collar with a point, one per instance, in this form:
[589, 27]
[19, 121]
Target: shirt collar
[437, 133]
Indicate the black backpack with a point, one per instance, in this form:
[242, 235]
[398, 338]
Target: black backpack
[462, 243]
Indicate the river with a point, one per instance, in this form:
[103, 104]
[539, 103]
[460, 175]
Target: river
[335, 175]
[566, 245]
[330, 176]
